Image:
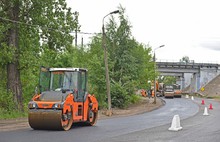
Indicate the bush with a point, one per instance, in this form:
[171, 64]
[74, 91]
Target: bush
[6, 101]
[134, 99]
[11, 114]
[8, 107]
[120, 97]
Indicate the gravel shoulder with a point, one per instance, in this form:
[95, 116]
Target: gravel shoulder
[145, 105]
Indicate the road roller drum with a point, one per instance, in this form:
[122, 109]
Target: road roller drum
[45, 119]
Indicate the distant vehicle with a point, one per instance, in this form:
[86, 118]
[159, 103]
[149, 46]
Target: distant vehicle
[177, 91]
[169, 91]
[160, 90]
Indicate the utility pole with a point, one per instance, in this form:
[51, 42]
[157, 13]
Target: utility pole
[76, 30]
[82, 42]
[154, 58]
[109, 111]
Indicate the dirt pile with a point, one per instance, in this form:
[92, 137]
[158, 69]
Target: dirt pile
[212, 89]
[186, 90]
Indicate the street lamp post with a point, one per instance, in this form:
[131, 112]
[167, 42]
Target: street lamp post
[154, 58]
[109, 111]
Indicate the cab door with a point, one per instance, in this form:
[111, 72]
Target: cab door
[44, 80]
[82, 86]
[80, 94]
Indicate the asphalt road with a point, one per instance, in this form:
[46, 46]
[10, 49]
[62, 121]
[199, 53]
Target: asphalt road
[151, 126]
[198, 128]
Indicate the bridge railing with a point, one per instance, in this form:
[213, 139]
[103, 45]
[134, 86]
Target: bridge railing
[190, 61]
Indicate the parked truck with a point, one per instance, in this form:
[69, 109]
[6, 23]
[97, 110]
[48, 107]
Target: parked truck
[168, 91]
[177, 91]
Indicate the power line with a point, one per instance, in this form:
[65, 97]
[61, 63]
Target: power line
[38, 26]
[87, 33]
[18, 22]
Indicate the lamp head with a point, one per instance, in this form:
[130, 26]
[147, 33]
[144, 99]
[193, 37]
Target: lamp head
[114, 12]
[161, 46]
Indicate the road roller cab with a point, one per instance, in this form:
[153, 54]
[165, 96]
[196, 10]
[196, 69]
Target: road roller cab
[63, 100]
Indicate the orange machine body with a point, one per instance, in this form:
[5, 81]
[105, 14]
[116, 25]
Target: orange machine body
[59, 109]
[177, 90]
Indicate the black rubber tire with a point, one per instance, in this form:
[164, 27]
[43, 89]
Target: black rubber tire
[92, 119]
[69, 125]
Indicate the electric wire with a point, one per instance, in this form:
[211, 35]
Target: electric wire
[38, 26]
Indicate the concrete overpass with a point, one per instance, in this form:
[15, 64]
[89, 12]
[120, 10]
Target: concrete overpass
[196, 75]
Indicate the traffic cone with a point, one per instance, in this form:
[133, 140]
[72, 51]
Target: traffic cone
[210, 106]
[187, 96]
[192, 98]
[203, 102]
[205, 111]
[175, 126]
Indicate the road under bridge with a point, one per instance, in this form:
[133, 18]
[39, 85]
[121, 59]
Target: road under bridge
[194, 75]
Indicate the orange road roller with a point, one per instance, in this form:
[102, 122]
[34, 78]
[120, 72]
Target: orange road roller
[63, 100]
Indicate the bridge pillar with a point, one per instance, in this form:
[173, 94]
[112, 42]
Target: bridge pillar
[198, 84]
[195, 83]
[181, 81]
[192, 84]
[178, 80]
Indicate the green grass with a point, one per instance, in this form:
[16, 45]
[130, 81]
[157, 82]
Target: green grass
[134, 99]
[214, 97]
[4, 114]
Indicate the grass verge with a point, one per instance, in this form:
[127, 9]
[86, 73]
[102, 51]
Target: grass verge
[4, 114]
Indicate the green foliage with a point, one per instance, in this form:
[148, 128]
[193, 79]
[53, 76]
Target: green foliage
[49, 43]
[185, 59]
[169, 80]
[6, 100]
[43, 35]
[30, 79]
[120, 98]
[134, 99]
[129, 61]
[6, 54]
[11, 114]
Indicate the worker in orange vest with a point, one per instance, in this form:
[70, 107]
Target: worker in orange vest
[143, 93]
[152, 90]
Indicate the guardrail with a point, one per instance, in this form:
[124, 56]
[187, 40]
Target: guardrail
[190, 61]
[187, 64]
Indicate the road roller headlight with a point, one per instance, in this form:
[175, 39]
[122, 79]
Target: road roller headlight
[32, 105]
[58, 106]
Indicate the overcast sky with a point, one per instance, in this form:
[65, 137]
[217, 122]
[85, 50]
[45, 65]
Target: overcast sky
[186, 27]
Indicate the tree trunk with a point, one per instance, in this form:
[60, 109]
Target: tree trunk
[13, 73]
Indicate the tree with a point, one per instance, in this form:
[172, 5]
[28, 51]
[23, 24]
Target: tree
[32, 31]
[37, 30]
[96, 67]
[185, 59]
[11, 39]
[169, 80]
[129, 62]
